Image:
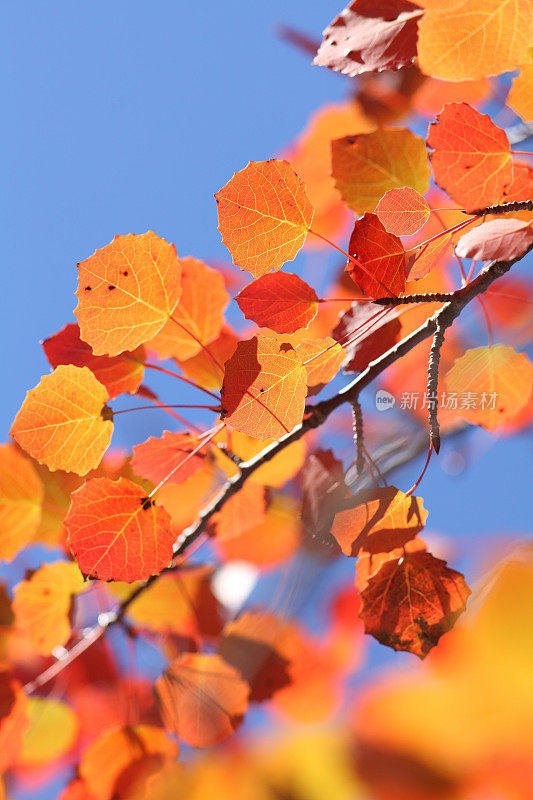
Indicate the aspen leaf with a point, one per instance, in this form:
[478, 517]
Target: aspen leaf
[169, 457]
[264, 388]
[21, 499]
[370, 36]
[496, 382]
[116, 533]
[471, 39]
[53, 731]
[203, 367]
[203, 699]
[321, 358]
[324, 490]
[275, 472]
[402, 211]
[371, 337]
[42, 605]
[471, 156]
[434, 94]
[264, 215]
[368, 564]
[123, 373]
[368, 165]
[520, 96]
[127, 291]
[411, 602]
[244, 510]
[280, 301]
[501, 239]
[14, 719]
[198, 318]
[426, 257]
[64, 421]
[386, 520]
[381, 259]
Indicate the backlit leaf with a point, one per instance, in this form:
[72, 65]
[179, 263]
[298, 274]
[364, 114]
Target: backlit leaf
[363, 338]
[203, 699]
[492, 384]
[411, 602]
[434, 94]
[427, 256]
[169, 457]
[264, 215]
[368, 165]
[14, 719]
[321, 358]
[127, 291]
[264, 388]
[386, 520]
[64, 421]
[502, 239]
[275, 472]
[42, 605]
[244, 510]
[123, 373]
[203, 367]
[402, 211]
[198, 318]
[280, 301]
[471, 159]
[53, 731]
[370, 36]
[521, 94]
[117, 533]
[470, 39]
[21, 498]
[380, 270]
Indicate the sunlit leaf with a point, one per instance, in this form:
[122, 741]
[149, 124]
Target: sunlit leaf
[14, 719]
[204, 367]
[427, 256]
[363, 338]
[275, 472]
[64, 421]
[169, 457]
[520, 97]
[244, 510]
[53, 731]
[321, 358]
[434, 94]
[502, 239]
[21, 499]
[280, 301]
[381, 259]
[402, 211]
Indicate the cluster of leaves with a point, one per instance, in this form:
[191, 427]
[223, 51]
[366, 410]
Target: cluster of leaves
[250, 485]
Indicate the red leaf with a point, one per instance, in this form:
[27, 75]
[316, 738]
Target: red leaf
[411, 602]
[471, 159]
[381, 258]
[116, 533]
[497, 239]
[371, 339]
[370, 36]
[402, 211]
[167, 458]
[123, 373]
[280, 301]
[14, 719]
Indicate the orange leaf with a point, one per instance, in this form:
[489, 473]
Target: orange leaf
[21, 499]
[53, 731]
[244, 510]
[127, 291]
[42, 605]
[434, 94]
[380, 270]
[411, 602]
[198, 318]
[471, 159]
[280, 301]
[426, 257]
[402, 211]
[275, 472]
[203, 699]
[491, 384]
[503, 239]
[123, 373]
[203, 368]
[321, 358]
[116, 533]
[167, 458]
[370, 36]
[264, 388]
[386, 520]
[14, 719]
[64, 421]
[521, 94]
[369, 164]
[371, 341]
[471, 39]
[107, 757]
[264, 215]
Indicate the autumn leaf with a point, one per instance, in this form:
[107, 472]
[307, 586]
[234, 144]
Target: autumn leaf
[471, 159]
[273, 473]
[386, 520]
[380, 258]
[116, 533]
[427, 256]
[520, 97]
[471, 39]
[434, 94]
[364, 338]
[501, 239]
[411, 602]
[123, 373]
[402, 211]
[64, 422]
[203, 699]
[370, 36]
[368, 165]
[204, 367]
[52, 733]
[127, 291]
[264, 215]
[324, 491]
[170, 458]
[21, 500]
[491, 383]
[14, 719]
[320, 357]
[244, 510]
[280, 301]
[198, 318]
[42, 605]
[264, 388]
